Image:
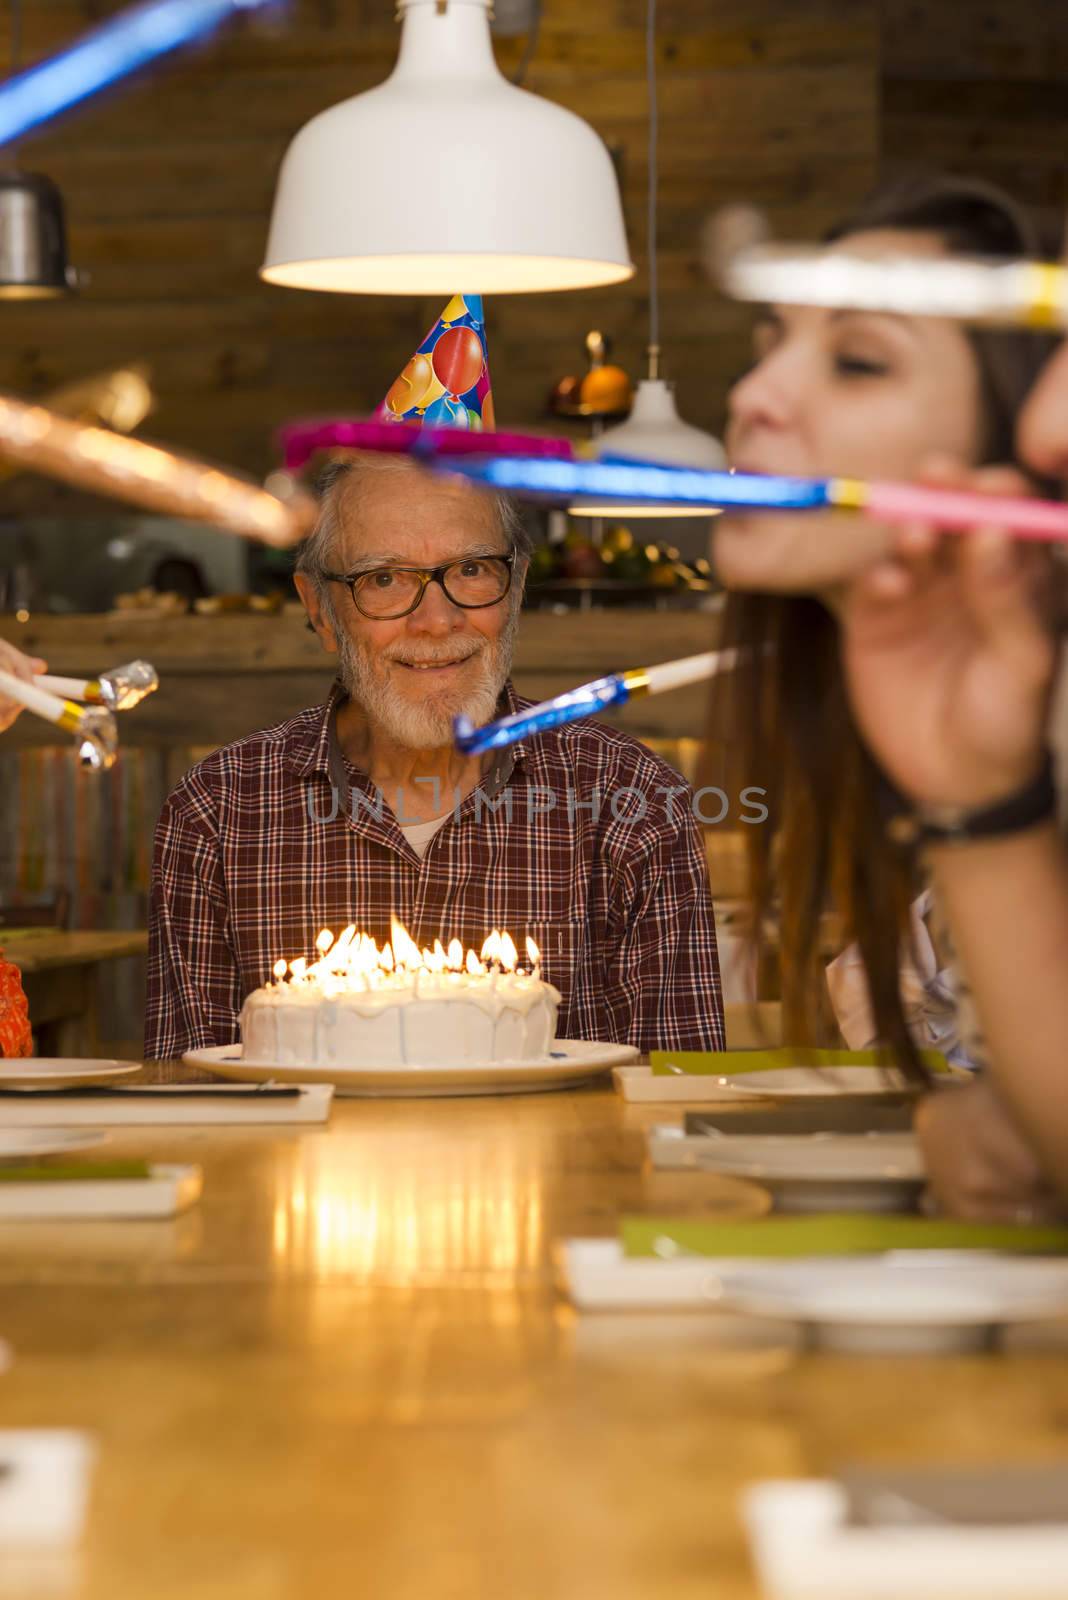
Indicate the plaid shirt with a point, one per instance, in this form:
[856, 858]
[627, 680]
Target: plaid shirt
[548, 846]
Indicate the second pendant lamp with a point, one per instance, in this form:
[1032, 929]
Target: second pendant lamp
[654, 431]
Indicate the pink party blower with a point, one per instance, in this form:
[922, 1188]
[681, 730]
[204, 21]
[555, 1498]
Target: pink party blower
[953, 509]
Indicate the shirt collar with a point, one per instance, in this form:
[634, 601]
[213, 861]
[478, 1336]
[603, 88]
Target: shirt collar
[309, 747]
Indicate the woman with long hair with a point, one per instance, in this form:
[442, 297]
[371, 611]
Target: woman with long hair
[867, 395]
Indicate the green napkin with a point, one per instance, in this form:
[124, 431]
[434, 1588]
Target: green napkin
[73, 1171]
[830, 1235]
[719, 1063]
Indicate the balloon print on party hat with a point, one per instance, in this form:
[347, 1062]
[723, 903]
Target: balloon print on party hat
[447, 383]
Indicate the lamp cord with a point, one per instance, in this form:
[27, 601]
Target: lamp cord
[651, 226]
[530, 46]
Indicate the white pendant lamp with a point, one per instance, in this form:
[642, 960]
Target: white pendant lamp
[446, 175]
[654, 431]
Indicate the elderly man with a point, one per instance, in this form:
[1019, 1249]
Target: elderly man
[361, 808]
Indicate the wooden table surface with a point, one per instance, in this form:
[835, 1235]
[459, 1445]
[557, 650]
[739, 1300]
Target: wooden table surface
[348, 1372]
[59, 973]
[38, 949]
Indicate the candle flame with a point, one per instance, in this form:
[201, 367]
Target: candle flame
[353, 962]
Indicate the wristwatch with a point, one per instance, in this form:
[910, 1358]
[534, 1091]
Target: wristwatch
[926, 825]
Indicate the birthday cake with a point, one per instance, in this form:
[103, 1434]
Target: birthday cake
[401, 1006]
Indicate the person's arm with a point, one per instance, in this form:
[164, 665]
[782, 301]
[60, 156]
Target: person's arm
[20, 666]
[194, 991]
[979, 1165]
[950, 659]
[1007, 904]
[661, 985]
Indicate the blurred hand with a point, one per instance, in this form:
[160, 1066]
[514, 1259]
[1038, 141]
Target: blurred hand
[25, 667]
[979, 1167]
[949, 656]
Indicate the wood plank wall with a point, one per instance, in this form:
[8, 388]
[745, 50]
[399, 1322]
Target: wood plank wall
[169, 183]
[795, 104]
[979, 86]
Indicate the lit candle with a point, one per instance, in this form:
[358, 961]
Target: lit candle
[534, 955]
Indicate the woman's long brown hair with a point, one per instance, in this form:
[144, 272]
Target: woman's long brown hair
[781, 721]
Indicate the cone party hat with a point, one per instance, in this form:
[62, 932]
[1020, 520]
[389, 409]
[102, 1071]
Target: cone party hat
[446, 384]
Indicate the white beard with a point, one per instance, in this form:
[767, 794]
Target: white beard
[426, 726]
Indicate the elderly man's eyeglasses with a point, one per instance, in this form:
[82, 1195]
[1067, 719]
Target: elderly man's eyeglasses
[385, 593]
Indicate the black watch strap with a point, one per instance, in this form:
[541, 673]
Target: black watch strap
[1027, 808]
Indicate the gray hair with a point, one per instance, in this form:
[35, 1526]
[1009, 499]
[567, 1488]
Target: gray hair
[316, 554]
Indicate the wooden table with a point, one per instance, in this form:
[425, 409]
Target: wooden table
[347, 1372]
[58, 974]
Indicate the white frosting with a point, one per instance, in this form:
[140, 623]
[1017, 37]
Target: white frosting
[408, 1019]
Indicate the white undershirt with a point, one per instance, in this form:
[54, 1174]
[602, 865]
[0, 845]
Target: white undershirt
[420, 834]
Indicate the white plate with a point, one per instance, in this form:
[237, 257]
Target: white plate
[59, 1072]
[791, 1083]
[806, 1172]
[805, 1549]
[21, 1144]
[167, 1190]
[572, 1061]
[599, 1277]
[643, 1086]
[44, 1490]
[903, 1303]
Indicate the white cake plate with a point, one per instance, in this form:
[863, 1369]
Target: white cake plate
[61, 1072]
[569, 1063]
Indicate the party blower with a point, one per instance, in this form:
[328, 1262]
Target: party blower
[587, 700]
[92, 726]
[747, 265]
[111, 51]
[117, 689]
[648, 483]
[148, 475]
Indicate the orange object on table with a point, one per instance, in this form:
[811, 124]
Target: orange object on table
[15, 1036]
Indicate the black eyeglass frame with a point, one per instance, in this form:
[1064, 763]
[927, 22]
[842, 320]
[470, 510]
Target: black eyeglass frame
[427, 576]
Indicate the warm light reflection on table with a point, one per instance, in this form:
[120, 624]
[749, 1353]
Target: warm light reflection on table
[354, 1207]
